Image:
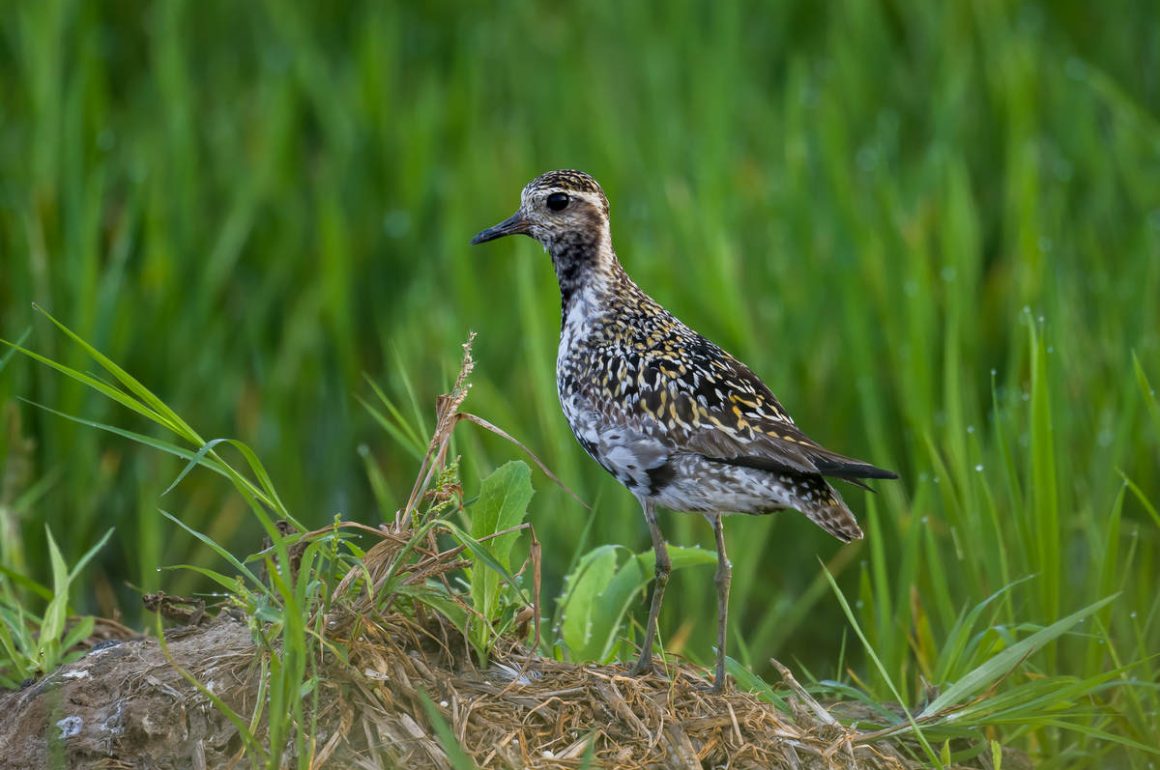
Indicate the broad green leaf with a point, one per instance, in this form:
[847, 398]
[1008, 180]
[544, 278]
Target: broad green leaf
[502, 504]
[600, 594]
[582, 600]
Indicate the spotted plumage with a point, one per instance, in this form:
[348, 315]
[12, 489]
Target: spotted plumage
[677, 420]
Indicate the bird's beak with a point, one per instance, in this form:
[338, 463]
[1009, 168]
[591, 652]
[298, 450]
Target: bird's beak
[513, 225]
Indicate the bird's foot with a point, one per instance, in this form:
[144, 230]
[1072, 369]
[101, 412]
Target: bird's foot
[643, 665]
[716, 687]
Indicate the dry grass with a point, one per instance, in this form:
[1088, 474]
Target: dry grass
[524, 711]
[529, 712]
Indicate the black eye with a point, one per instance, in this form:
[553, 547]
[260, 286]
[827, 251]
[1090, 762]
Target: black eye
[558, 201]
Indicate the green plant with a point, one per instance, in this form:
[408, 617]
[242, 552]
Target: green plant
[278, 606]
[985, 669]
[497, 514]
[30, 645]
[303, 575]
[598, 593]
[975, 662]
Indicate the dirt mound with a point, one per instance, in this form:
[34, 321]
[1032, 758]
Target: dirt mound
[125, 705]
[129, 705]
[399, 687]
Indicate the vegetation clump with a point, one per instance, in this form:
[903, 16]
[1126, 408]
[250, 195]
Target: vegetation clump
[425, 650]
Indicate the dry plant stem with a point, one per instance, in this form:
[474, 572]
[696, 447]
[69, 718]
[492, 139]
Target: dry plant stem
[447, 416]
[818, 709]
[446, 408]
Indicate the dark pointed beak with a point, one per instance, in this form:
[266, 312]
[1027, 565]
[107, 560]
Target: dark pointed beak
[513, 225]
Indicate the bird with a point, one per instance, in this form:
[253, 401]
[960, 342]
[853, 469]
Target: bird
[676, 419]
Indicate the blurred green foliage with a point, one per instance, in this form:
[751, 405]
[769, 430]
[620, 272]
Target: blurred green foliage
[934, 228]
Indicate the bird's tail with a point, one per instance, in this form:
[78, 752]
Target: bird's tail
[825, 507]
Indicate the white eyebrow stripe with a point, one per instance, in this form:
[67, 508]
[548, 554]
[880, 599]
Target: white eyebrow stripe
[543, 192]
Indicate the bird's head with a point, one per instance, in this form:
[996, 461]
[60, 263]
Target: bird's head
[560, 209]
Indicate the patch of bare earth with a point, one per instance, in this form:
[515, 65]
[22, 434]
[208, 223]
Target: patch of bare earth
[128, 706]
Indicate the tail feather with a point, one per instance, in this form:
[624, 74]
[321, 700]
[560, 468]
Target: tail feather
[836, 465]
[822, 504]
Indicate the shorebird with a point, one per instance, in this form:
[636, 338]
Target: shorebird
[676, 419]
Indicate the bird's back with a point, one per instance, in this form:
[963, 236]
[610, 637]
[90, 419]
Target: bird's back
[682, 422]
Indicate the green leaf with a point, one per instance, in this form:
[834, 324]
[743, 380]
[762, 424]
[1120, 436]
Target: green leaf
[1148, 392]
[232, 584]
[877, 661]
[219, 550]
[582, 600]
[480, 552]
[57, 612]
[1000, 665]
[26, 583]
[502, 504]
[396, 426]
[13, 347]
[307, 687]
[435, 597]
[79, 632]
[600, 593]
[958, 637]
[104, 388]
[148, 404]
[481, 630]
[748, 681]
[88, 555]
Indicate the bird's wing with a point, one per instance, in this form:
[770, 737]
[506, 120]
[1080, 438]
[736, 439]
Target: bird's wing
[777, 448]
[726, 413]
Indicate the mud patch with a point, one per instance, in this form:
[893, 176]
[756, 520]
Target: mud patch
[125, 705]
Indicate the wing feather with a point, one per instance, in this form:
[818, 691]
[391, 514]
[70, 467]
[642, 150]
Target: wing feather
[726, 413]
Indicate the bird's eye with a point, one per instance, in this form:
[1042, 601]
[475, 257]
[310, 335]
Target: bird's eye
[558, 201]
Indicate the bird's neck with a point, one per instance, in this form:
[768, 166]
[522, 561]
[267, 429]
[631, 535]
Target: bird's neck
[586, 266]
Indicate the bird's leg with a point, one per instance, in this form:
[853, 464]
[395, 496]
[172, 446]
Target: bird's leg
[663, 568]
[723, 579]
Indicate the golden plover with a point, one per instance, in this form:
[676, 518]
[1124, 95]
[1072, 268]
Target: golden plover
[673, 417]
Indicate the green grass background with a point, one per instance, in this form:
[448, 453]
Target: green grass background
[933, 228]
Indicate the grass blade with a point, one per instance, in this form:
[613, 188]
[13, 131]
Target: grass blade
[1005, 662]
